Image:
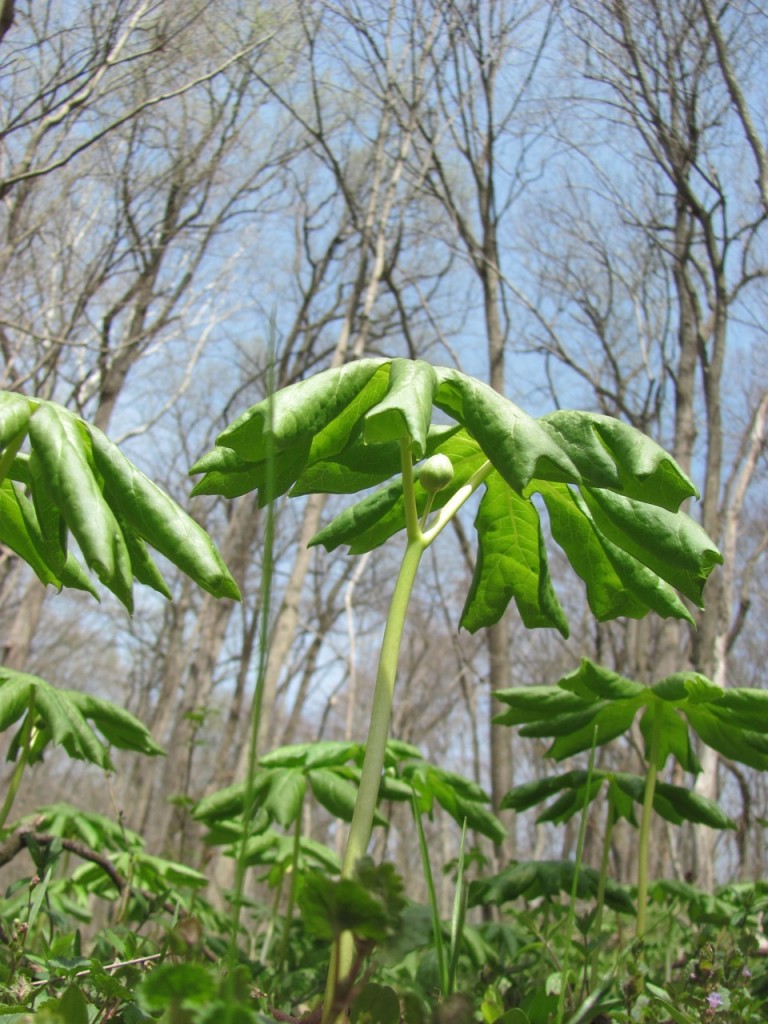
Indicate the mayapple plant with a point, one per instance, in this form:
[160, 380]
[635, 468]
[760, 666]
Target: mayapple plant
[612, 496]
[592, 706]
[62, 478]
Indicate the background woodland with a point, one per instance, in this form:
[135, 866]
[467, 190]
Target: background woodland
[201, 202]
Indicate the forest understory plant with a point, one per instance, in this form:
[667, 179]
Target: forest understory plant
[611, 494]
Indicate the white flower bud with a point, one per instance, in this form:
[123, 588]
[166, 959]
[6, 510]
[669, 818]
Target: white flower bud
[436, 473]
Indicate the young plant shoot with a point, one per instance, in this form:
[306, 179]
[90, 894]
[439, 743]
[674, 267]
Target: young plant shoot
[612, 497]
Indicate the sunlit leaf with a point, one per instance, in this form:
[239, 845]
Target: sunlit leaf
[63, 717]
[611, 493]
[511, 563]
[75, 481]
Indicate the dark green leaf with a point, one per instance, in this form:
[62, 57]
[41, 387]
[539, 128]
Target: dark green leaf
[548, 879]
[286, 795]
[336, 793]
[20, 531]
[360, 465]
[330, 907]
[302, 411]
[609, 453]
[159, 521]
[677, 805]
[591, 681]
[53, 529]
[511, 562]
[515, 443]
[574, 532]
[185, 984]
[62, 717]
[228, 474]
[743, 745]
[538, 703]
[373, 520]
[406, 410]
[117, 725]
[63, 451]
[673, 736]
[672, 545]
[15, 411]
[375, 1004]
[528, 794]
[73, 1006]
[617, 582]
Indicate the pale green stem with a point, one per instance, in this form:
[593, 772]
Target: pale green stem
[645, 830]
[437, 929]
[459, 914]
[343, 953]
[571, 919]
[600, 897]
[375, 749]
[294, 871]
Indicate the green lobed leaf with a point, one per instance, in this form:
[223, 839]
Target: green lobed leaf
[674, 738]
[676, 804]
[15, 411]
[375, 1004]
[672, 545]
[592, 697]
[53, 529]
[673, 803]
[747, 746]
[601, 562]
[458, 796]
[16, 690]
[406, 410]
[591, 681]
[330, 907]
[96, 830]
[337, 794]
[63, 716]
[73, 1005]
[607, 593]
[143, 566]
[63, 451]
[177, 984]
[159, 521]
[511, 563]
[286, 795]
[609, 721]
[570, 803]
[528, 794]
[367, 524]
[348, 424]
[20, 531]
[537, 703]
[302, 411]
[548, 879]
[118, 726]
[517, 445]
[611, 454]
[611, 493]
[229, 802]
[230, 475]
[331, 753]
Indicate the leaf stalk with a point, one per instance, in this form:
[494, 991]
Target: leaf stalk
[645, 828]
